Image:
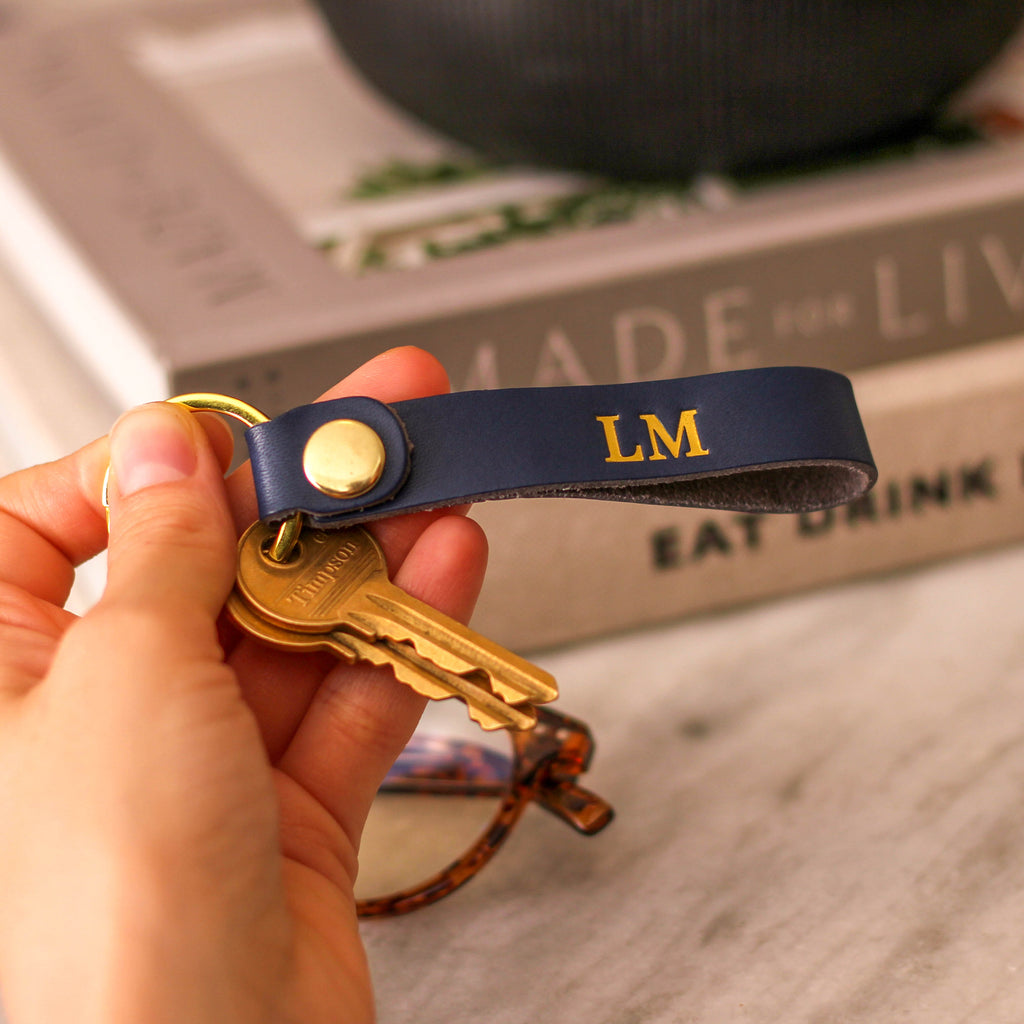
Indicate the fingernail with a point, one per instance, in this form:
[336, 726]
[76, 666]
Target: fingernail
[151, 445]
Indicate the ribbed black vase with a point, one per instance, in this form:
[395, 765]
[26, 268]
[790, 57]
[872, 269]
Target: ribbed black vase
[662, 88]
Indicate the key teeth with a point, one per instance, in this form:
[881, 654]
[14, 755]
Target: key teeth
[519, 718]
[541, 690]
[399, 622]
[537, 693]
[510, 694]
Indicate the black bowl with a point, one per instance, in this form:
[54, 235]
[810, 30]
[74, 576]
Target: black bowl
[666, 88]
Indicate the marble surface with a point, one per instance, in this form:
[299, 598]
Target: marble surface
[819, 820]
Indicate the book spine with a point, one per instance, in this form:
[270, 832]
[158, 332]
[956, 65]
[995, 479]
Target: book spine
[951, 463]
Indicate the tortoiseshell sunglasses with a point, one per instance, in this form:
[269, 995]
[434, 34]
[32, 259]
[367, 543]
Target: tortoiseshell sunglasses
[546, 761]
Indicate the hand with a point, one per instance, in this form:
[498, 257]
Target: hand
[181, 807]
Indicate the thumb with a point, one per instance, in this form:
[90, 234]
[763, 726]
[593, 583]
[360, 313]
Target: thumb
[172, 542]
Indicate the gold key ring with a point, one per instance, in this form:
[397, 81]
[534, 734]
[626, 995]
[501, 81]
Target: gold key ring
[205, 401]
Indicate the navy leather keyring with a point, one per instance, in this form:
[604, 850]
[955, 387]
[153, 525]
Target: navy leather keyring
[780, 439]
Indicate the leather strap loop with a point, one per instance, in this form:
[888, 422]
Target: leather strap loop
[781, 439]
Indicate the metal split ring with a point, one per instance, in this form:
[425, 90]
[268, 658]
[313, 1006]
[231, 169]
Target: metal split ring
[289, 531]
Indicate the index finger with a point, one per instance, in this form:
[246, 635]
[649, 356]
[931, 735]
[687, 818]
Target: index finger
[52, 520]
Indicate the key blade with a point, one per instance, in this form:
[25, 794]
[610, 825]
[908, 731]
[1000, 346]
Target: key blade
[485, 708]
[428, 680]
[450, 644]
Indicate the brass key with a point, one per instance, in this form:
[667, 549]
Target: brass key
[334, 591]
[426, 679]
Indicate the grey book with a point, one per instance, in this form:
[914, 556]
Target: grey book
[188, 195]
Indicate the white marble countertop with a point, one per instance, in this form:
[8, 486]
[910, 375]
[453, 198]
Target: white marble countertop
[819, 820]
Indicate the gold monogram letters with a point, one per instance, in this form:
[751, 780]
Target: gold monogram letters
[686, 430]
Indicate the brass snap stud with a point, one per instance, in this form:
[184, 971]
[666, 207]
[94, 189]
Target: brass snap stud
[344, 458]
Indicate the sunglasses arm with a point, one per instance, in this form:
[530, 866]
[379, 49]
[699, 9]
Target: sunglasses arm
[585, 811]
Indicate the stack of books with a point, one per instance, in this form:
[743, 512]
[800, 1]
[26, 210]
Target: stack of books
[205, 196]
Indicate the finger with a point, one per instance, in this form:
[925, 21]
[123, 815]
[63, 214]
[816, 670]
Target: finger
[30, 629]
[52, 520]
[361, 719]
[52, 517]
[278, 686]
[171, 537]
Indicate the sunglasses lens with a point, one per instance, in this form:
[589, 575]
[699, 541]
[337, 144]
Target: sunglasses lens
[437, 801]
